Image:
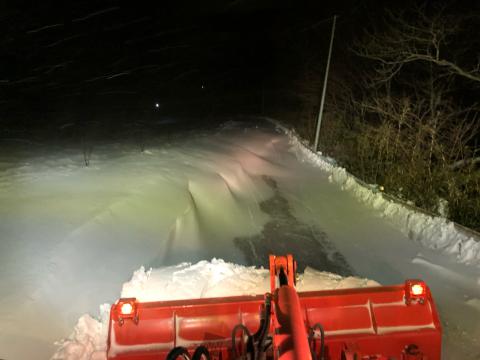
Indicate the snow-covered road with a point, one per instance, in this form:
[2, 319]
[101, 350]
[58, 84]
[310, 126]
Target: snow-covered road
[71, 235]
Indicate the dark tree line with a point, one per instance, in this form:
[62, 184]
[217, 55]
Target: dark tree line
[402, 106]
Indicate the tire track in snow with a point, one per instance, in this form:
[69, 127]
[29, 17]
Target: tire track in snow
[286, 234]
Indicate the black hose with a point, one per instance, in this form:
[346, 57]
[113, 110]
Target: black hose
[178, 351]
[200, 353]
[268, 343]
[260, 328]
[265, 324]
[322, 340]
[256, 343]
[250, 347]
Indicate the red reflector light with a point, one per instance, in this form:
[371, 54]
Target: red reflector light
[417, 289]
[126, 309]
[415, 292]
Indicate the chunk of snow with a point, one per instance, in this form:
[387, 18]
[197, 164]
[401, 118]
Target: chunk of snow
[88, 340]
[205, 279]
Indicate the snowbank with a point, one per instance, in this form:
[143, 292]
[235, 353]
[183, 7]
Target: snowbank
[204, 279]
[431, 231]
[88, 340]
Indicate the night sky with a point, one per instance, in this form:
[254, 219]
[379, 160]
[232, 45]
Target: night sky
[66, 61]
[84, 56]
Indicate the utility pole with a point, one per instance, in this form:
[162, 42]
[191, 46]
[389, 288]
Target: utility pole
[322, 103]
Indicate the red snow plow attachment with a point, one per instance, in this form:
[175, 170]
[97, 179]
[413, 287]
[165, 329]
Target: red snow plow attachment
[389, 322]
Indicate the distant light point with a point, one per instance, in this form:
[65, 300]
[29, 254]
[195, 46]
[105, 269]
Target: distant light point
[157, 105]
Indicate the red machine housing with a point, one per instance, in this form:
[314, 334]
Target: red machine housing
[386, 322]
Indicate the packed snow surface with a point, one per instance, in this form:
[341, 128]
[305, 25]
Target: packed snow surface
[71, 234]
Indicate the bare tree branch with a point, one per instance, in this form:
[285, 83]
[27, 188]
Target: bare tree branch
[417, 38]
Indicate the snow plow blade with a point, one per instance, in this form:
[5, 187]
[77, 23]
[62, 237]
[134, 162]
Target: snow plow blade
[386, 322]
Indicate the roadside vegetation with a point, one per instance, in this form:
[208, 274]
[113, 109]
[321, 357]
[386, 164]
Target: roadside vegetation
[402, 108]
